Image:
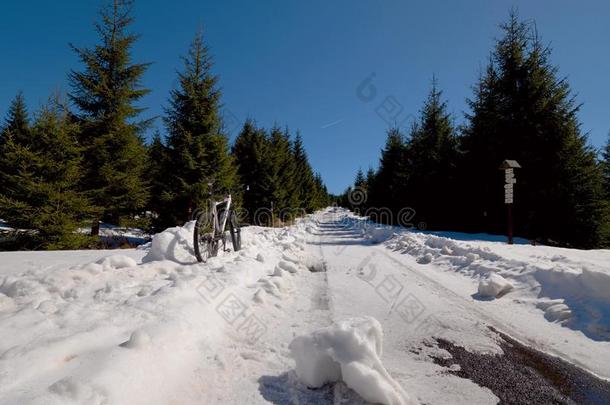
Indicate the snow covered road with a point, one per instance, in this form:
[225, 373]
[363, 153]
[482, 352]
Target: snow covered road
[415, 301]
[365, 280]
[153, 326]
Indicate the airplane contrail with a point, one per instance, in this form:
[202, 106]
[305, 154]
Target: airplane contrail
[332, 123]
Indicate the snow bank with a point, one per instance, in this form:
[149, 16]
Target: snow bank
[577, 281]
[349, 351]
[139, 327]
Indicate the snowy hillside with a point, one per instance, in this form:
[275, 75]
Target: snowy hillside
[330, 310]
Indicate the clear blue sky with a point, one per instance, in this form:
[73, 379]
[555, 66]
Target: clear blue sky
[300, 63]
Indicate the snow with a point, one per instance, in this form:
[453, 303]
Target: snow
[138, 340]
[579, 280]
[494, 285]
[115, 236]
[298, 307]
[175, 244]
[116, 262]
[288, 266]
[348, 351]
[4, 226]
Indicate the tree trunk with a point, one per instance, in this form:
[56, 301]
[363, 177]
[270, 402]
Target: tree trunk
[95, 228]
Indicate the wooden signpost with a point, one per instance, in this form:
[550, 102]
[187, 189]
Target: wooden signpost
[509, 167]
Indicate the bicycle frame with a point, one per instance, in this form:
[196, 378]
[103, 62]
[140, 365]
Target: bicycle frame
[222, 221]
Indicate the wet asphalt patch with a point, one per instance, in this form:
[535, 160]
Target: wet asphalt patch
[526, 376]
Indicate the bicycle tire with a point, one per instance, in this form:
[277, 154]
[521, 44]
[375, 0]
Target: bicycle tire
[204, 237]
[235, 231]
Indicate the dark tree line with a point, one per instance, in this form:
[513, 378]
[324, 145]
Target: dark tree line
[521, 109]
[62, 169]
[277, 175]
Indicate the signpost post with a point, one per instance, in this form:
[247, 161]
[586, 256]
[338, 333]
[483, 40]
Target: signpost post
[509, 167]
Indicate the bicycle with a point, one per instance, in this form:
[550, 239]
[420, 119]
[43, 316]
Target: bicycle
[210, 229]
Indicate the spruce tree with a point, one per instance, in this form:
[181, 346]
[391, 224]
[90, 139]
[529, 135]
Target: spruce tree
[276, 173]
[359, 181]
[522, 110]
[359, 193]
[17, 122]
[432, 151]
[304, 176]
[320, 193]
[159, 170]
[388, 191]
[198, 150]
[42, 194]
[105, 93]
[250, 154]
[281, 174]
[606, 168]
[16, 129]
[370, 178]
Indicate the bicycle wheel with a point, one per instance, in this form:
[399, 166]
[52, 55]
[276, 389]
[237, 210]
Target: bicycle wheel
[235, 231]
[204, 237]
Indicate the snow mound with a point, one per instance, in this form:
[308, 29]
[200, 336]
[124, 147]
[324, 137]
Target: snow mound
[425, 259]
[494, 285]
[379, 233]
[596, 284]
[349, 351]
[556, 312]
[288, 266]
[117, 262]
[175, 244]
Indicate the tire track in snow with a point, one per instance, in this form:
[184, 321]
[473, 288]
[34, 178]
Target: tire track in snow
[321, 298]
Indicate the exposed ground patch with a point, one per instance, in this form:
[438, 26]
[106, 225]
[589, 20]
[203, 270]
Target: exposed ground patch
[526, 376]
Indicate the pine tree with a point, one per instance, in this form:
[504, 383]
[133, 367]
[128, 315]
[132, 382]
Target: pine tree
[523, 111]
[250, 154]
[360, 181]
[199, 152]
[42, 194]
[606, 168]
[277, 174]
[320, 193]
[358, 194]
[370, 178]
[304, 176]
[16, 129]
[159, 171]
[281, 176]
[432, 151]
[17, 121]
[105, 93]
[388, 191]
